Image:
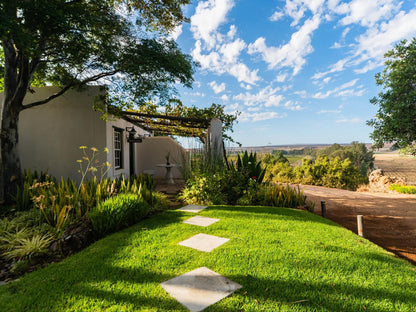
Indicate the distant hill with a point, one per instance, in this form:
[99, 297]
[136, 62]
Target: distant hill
[289, 147]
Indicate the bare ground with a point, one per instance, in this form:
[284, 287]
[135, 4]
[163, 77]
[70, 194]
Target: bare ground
[397, 166]
[389, 219]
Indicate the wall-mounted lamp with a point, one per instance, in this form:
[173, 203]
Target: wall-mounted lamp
[131, 136]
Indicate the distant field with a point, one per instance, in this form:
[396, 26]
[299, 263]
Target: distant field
[398, 166]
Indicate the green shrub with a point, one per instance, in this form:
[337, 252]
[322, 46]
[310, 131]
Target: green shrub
[117, 212]
[404, 189]
[225, 186]
[248, 166]
[323, 171]
[278, 195]
[159, 202]
[204, 189]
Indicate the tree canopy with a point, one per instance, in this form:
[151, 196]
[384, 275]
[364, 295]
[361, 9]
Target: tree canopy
[396, 115]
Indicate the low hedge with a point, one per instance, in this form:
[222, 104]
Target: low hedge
[116, 213]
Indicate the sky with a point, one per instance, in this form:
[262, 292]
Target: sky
[298, 71]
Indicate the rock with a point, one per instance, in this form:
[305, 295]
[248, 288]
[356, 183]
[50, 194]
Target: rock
[380, 183]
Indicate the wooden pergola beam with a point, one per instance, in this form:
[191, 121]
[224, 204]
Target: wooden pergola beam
[160, 116]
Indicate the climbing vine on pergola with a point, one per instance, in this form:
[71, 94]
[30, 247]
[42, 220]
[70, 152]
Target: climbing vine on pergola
[178, 119]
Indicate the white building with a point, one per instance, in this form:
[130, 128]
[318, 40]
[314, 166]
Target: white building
[50, 136]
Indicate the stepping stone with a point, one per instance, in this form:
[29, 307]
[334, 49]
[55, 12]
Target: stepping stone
[204, 242]
[201, 221]
[200, 288]
[192, 208]
[2, 283]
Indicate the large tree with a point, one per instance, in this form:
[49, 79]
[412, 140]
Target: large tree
[70, 43]
[395, 120]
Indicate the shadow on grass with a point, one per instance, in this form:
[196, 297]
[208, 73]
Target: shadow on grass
[313, 296]
[70, 280]
[58, 288]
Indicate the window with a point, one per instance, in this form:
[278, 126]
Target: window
[118, 148]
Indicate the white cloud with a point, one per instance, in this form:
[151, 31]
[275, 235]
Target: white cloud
[340, 91]
[232, 107]
[232, 32]
[350, 120]
[266, 97]
[324, 111]
[296, 9]
[302, 93]
[224, 57]
[345, 32]
[232, 50]
[276, 16]
[209, 15]
[378, 40]
[176, 32]
[217, 88]
[291, 54]
[254, 117]
[293, 106]
[336, 45]
[367, 13]
[337, 67]
[243, 73]
[247, 87]
[281, 77]
[368, 52]
[225, 98]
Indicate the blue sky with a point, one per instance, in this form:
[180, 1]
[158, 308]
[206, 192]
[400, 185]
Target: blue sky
[298, 71]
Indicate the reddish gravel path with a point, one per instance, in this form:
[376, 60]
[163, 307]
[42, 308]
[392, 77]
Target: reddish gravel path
[389, 219]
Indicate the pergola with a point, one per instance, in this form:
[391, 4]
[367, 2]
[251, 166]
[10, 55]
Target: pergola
[161, 124]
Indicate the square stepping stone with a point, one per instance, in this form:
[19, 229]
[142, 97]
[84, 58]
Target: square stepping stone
[192, 208]
[201, 221]
[200, 288]
[204, 242]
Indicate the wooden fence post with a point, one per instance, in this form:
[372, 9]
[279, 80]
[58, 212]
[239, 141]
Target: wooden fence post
[360, 225]
[323, 209]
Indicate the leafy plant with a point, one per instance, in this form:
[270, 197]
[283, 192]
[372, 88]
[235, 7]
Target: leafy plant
[22, 246]
[117, 212]
[278, 195]
[248, 165]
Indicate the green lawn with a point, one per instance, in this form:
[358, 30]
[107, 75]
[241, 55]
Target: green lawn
[285, 259]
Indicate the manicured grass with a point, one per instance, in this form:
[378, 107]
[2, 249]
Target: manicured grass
[286, 260]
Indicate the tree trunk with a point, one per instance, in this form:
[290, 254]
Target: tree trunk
[16, 82]
[10, 170]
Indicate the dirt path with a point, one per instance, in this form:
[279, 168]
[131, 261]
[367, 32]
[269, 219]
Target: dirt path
[389, 219]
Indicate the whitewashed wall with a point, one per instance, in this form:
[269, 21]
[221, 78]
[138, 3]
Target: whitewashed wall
[50, 135]
[153, 152]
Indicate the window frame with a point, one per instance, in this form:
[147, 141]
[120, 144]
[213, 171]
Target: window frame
[118, 152]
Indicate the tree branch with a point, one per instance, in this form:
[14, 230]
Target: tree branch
[69, 86]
